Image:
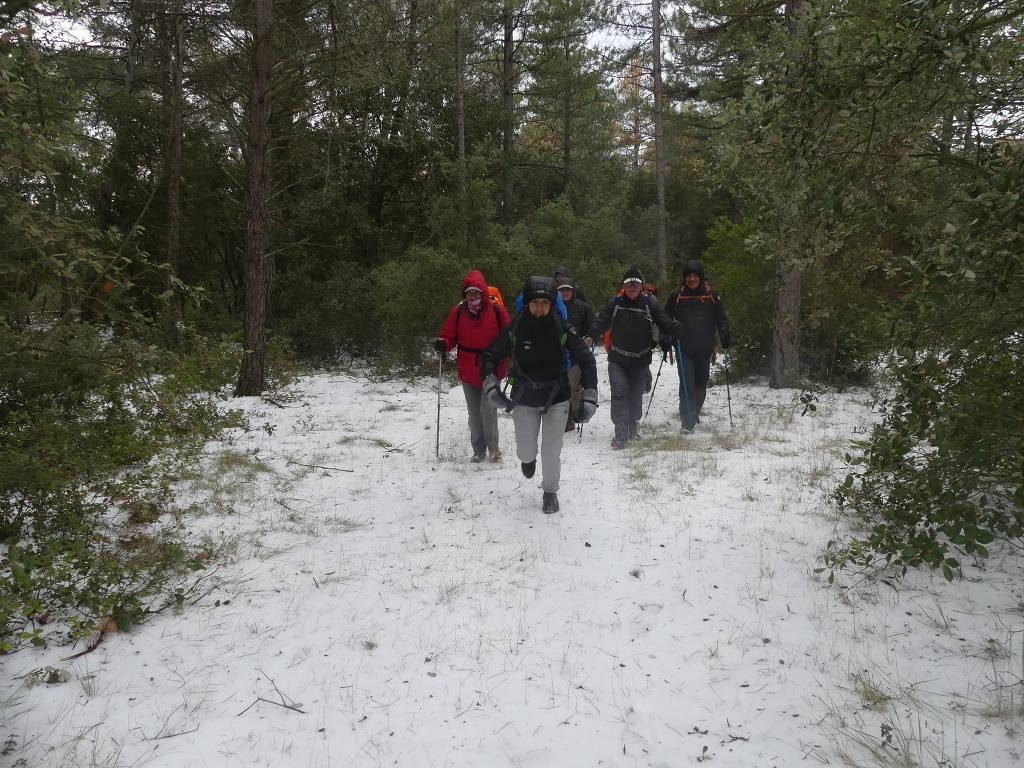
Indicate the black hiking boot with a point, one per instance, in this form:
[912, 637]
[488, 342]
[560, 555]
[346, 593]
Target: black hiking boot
[529, 467]
[550, 503]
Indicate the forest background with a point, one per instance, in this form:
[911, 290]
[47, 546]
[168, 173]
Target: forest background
[198, 196]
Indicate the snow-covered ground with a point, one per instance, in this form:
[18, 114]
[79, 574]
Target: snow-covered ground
[368, 604]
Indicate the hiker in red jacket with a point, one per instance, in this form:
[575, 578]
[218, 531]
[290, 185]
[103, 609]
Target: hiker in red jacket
[471, 326]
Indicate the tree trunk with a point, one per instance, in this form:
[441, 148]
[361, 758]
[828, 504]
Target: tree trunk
[258, 270]
[460, 120]
[567, 121]
[508, 102]
[659, 139]
[174, 100]
[786, 333]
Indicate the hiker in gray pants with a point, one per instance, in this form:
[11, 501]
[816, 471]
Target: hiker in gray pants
[630, 317]
[537, 341]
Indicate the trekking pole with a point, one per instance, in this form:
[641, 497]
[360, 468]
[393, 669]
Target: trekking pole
[728, 394]
[655, 387]
[682, 377]
[437, 438]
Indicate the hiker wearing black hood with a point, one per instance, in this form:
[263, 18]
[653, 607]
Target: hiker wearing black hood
[630, 315]
[699, 310]
[537, 341]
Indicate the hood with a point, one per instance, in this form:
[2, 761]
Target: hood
[475, 279]
[540, 287]
[693, 266]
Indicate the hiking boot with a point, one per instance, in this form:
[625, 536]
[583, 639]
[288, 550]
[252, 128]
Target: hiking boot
[570, 425]
[634, 432]
[496, 454]
[618, 443]
[529, 467]
[550, 503]
[476, 459]
[686, 430]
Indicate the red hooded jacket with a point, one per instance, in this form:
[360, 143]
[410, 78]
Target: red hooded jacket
[472, 334]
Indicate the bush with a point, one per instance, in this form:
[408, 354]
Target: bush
[747, 284]
[94, 428]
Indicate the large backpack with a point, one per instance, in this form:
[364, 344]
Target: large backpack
[673, 302]
[618, 304]
[515, 376]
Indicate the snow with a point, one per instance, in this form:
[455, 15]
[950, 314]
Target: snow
[370, 604]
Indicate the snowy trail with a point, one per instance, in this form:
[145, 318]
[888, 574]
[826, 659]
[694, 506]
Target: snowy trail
[415, 612]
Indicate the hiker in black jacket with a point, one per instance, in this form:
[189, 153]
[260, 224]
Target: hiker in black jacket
[699, 310]
[564, 275]
[537, 341]
[581, 317]
[630, 315]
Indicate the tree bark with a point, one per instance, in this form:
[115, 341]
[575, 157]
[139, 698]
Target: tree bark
[786, 334]
[508, 102]
[173, 96]
[460, 120]
[659, 139]
[251, 378]
[786, 331]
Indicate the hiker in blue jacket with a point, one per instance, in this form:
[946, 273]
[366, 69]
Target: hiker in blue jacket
[537, 341]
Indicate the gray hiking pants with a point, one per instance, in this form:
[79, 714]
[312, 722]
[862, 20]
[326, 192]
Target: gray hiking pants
[483, 421]
[529, 423]
[627, 400]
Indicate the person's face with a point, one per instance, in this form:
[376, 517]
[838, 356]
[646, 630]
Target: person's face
[692, 280]
[472, 294]
[566, 293]
[540, 307]
[632, 289]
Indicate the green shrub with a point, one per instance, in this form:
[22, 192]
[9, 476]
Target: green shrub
[94, 429]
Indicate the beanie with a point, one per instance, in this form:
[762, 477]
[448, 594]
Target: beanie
[539, 287]
[633, 275]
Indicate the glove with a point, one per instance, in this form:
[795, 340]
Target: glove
[440, 345]
[677, 329]
[725, 340]
[494, 395]
[587, 408]
[666, 345]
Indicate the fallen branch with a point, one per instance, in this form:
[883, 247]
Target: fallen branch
[293, 707]
[318, 466]
[105, 627]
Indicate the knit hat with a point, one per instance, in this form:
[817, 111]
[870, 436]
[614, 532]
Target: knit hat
[693, 267]
[633, 275]
[539, 287]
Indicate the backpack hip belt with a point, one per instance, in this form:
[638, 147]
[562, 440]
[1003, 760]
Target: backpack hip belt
[627, 353]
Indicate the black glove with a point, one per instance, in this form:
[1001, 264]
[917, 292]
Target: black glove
[677, 329]
[440, 345]
[724, 337]
[494, 395]
[666, 345]
[587, 408]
